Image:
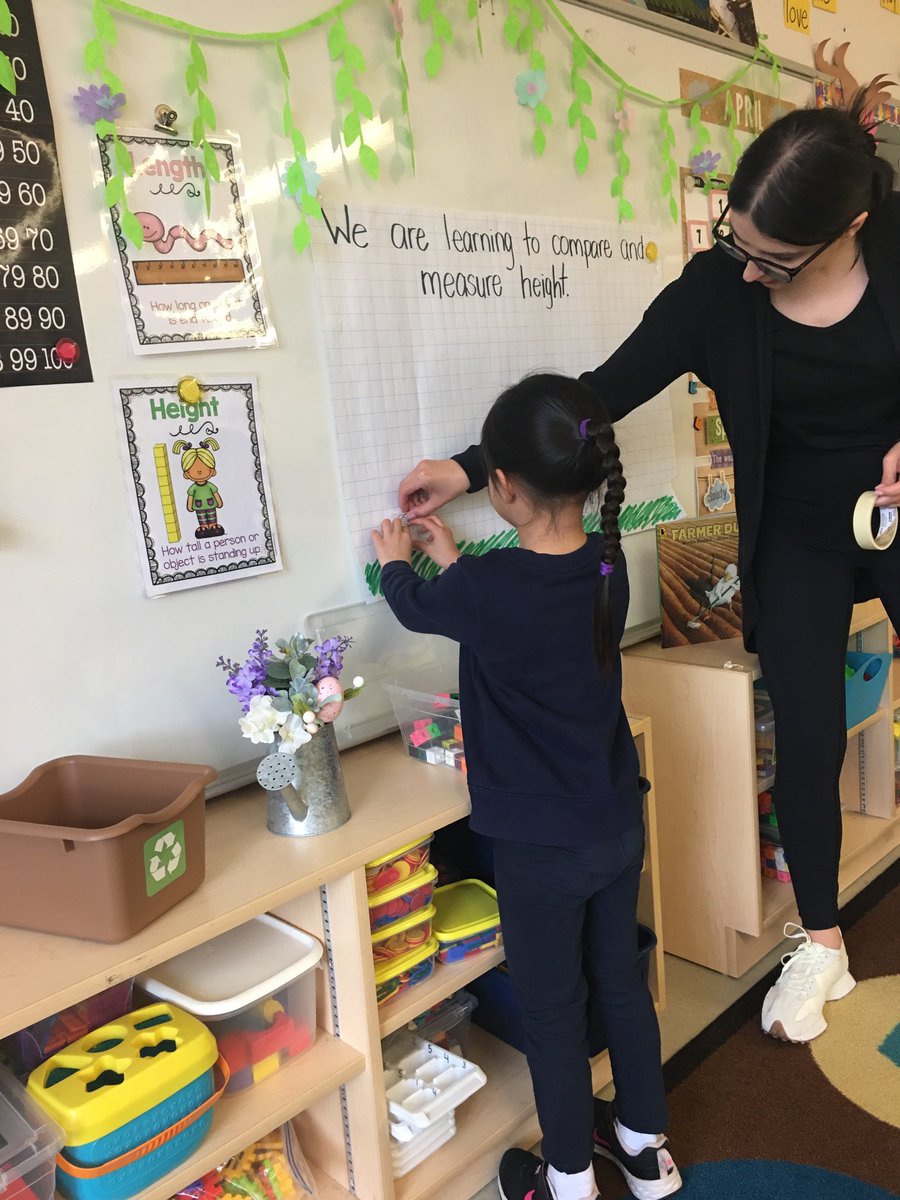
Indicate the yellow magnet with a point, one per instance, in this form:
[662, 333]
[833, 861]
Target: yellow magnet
[652, 251]
[189, 390]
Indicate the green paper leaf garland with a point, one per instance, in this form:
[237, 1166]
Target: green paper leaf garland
[403, 133]
[5, 19]
[360, 108]
[667, 161]
[475, 15]
[205, 120]
[578, 118]
[430, 12]
[295, 181]
[623, 163]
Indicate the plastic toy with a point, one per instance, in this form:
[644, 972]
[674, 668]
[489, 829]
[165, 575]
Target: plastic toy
[254, 1054]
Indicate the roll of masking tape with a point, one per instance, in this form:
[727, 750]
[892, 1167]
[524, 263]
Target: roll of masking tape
[862, 523]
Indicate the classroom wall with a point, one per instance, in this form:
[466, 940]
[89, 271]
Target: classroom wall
[91, 664]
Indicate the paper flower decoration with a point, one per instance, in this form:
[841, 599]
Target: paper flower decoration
[531, 88]
[397, 14]
[704, 162]
[311, 180]
[622, 118]
[98, 103]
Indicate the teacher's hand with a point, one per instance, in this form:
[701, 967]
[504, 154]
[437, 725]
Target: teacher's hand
[888, 491]
[430, 485]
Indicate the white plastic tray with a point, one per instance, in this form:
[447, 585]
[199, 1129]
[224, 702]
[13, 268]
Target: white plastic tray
[425, 1083]
[419, 1146]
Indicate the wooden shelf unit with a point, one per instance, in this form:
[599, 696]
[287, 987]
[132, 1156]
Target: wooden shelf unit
[720, 911]
[333, 1094]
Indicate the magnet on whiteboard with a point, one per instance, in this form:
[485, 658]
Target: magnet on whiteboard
[68, 351]
[652, 251]
[866, 537]
[189, 390]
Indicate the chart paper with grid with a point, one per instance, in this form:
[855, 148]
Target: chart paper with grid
[428, 315]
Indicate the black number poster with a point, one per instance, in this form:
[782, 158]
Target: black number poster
[41, 330]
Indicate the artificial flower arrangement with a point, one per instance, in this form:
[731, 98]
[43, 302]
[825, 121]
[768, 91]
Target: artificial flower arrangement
[292, 689]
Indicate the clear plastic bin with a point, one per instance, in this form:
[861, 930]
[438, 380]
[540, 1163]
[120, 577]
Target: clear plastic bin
[401, 936]
[764, 719]
[447, 1024]
[29, 1047]
[29, 1144]
[254, 986]
[430, 724]
[398, 865]
[396, 976]
[467, 919]
[400, 899]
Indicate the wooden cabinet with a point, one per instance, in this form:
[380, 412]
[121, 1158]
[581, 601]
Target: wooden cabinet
[334, 1092]
[720, 911]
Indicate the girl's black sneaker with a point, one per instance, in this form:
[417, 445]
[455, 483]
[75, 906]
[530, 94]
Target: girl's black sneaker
[651, 1174]
[523, 1176]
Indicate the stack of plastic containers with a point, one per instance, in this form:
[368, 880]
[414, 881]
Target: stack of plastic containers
[401, 889]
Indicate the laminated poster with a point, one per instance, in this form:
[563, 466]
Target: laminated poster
[199, 488]
[196, 282]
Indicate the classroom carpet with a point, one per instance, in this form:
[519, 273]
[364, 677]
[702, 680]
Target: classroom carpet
[760, 1119]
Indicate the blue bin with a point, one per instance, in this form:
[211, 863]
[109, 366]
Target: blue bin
[498, 1009]
[864, 694]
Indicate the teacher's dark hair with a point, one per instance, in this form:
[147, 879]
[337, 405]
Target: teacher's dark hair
[553, 436]
[813, 171]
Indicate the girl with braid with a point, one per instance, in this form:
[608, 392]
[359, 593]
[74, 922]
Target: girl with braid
[553, 772]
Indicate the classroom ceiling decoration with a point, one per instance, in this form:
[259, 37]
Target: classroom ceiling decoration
[552, 113]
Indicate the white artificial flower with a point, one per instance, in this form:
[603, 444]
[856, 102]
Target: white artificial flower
[261, 720]
[294, 734]
[358, 681]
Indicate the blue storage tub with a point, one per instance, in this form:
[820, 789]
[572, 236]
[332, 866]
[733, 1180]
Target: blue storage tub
[864, 695]
[498, 1009]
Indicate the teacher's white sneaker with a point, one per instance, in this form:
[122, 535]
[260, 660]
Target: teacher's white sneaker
[810, 976]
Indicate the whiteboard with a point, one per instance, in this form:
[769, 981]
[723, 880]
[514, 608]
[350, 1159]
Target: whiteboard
[92, 664]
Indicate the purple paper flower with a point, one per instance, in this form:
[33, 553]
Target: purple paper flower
[531, 88]
[330, 657]
[98, 103]
[704, 162]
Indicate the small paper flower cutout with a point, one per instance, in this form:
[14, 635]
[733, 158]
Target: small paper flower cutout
[622, 117]
[531, 88]
[397, 14]
[311, 180]
[704, 162]
[98, 103]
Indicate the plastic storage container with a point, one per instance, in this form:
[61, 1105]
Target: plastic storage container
[447, 1024]
[409, 933]
[99, 847]
[29, 1143]
[865, 686]
[402, 898]
[134, 1100]
[430, 724]
[467, 919]
[30, 1046]
[398, 974]
[398, 865]
[764, 720]
[255, 988]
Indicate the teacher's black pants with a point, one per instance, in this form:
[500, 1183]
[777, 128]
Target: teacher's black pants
[569, 921]
[806, 601]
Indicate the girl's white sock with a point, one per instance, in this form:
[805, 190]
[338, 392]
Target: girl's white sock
[634, 1142]
[580, 1186]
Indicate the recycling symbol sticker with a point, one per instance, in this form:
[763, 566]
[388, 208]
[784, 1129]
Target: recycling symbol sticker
[165, 857]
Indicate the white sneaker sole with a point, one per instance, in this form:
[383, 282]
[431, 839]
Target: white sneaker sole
[776, 1029]
[644, 1189]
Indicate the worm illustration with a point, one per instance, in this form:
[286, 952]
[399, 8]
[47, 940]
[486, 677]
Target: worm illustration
[154, 232]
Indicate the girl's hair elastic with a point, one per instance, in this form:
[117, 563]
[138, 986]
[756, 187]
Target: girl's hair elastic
[606, 568]
[583, 427]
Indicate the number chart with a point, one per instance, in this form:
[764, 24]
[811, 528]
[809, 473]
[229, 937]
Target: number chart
[41, 330]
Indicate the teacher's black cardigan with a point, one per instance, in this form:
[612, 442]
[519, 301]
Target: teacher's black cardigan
[709, 322]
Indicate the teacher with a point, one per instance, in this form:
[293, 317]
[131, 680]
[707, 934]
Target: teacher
[794, 321]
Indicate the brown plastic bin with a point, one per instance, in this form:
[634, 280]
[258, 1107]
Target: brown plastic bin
[99, 847]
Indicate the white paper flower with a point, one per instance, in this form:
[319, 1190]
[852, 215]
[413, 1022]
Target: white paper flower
[358, 681]
[294, 734]
[261, 721]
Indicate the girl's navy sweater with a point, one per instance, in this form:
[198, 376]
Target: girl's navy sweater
[549, 753]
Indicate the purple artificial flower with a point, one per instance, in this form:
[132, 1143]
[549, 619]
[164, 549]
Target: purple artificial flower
[248, 680]
[705, 162]
[330, 656]
[98, 103]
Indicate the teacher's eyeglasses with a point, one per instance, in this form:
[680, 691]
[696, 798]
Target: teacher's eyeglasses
[776, 271]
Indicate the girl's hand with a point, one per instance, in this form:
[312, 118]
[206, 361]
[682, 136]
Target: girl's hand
[392, 542]
[430, 485]
[888, 491]
[438, 543]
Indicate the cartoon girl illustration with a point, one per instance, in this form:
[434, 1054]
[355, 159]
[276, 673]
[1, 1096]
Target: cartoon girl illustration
[198, 465]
